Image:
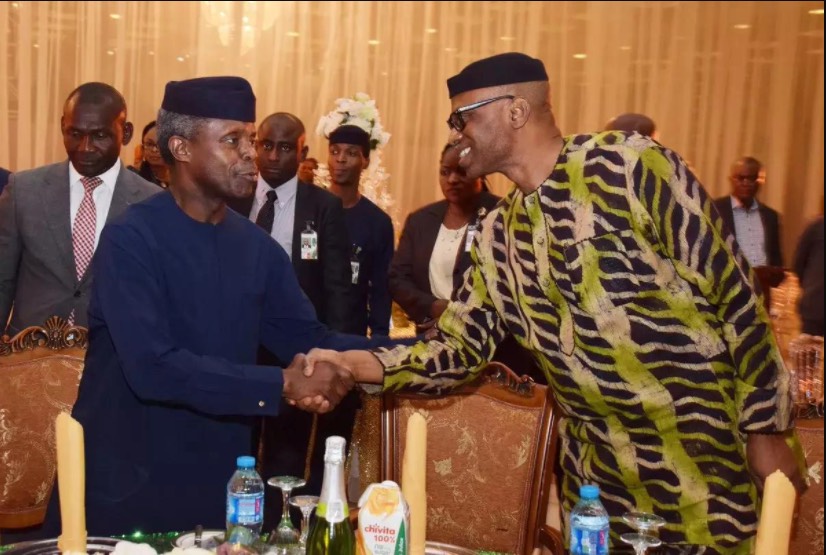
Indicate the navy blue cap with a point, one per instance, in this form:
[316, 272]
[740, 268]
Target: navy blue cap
[351, 135]
[502, 69]
[211, 97]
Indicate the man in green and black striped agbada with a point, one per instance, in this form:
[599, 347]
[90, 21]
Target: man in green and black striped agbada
[610, 264]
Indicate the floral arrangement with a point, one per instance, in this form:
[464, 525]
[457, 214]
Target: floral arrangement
[360, 110]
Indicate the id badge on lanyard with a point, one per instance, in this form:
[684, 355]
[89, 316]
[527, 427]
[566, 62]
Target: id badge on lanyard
[355, 265]
[472, 230]
[309, 243]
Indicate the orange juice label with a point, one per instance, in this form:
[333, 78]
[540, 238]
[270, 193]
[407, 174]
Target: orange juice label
[384, 521]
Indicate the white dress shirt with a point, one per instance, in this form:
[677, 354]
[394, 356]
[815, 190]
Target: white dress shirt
[284, 216]
[102, 195]
[443, 260]
[748, 228]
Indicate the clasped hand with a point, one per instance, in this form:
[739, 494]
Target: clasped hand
[769, 452]
[316, 382]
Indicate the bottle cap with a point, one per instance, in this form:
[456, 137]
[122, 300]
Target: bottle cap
[245, 462]
[589, 492]
[334, 452]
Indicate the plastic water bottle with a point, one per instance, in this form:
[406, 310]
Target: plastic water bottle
[245, 503]
[589, 524]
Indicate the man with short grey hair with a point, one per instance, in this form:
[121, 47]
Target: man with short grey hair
[171, 124]
[185, 291]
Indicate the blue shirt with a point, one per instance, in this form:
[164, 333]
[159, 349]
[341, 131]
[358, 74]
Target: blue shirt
[177, 311]
[284, 214]
[748, 228]
[371, 232]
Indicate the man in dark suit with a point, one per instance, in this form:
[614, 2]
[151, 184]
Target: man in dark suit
[755, 225]
[4, 178]
[51, 217]
[308, 222]
[291, 211]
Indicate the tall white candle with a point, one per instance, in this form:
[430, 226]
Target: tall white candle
[71, 480]
[414, 472]
[774, 531]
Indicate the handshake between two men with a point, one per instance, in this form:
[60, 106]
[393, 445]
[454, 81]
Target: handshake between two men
[318, 381]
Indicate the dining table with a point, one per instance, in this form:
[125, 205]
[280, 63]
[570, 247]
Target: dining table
[165, 542]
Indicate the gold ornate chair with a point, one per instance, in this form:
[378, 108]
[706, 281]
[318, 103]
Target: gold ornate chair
[491, 449]
[40, 370]
[807, 530]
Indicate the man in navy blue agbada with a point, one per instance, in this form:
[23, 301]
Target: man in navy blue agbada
[185, 290]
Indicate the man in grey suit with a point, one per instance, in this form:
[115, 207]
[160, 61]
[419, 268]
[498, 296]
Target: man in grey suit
[51, 217]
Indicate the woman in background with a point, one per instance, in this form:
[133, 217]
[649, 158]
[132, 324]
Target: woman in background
[152, 168]
[434, 254]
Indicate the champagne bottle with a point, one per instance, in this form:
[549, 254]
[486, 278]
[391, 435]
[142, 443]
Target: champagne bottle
[331, 533]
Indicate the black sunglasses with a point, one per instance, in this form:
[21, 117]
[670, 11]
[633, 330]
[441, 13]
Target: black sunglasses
[457, 119]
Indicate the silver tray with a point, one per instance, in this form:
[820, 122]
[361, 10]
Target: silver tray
[49, 547]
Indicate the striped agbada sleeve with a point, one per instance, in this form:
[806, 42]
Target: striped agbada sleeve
[468, 333]
[689, 230]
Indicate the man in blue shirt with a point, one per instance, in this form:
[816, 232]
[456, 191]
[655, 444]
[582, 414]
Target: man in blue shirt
[184, 292]
[369, 227]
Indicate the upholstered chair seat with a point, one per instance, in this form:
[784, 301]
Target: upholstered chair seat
[40, 370]
[490, 459]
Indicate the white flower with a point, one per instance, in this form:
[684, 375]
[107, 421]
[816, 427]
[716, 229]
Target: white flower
[329, 123]
[322, 125]
[359, 122]
[347, 109]
[368, 113]
[361, 111]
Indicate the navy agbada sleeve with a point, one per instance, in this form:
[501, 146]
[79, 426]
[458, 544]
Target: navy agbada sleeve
[130, 296]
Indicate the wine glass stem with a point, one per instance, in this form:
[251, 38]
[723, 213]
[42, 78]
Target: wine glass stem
[285, 509]
[305, 526]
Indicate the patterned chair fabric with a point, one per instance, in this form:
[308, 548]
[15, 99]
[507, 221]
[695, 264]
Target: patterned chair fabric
[40, 370]
[807, 531]
[491, 451]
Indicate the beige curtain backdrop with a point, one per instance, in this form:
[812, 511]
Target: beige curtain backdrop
[722, 79]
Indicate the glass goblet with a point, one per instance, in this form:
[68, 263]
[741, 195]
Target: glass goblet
[306, 503]
[644, 522]
[646, 525]
[285, 533]
[641, 542]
